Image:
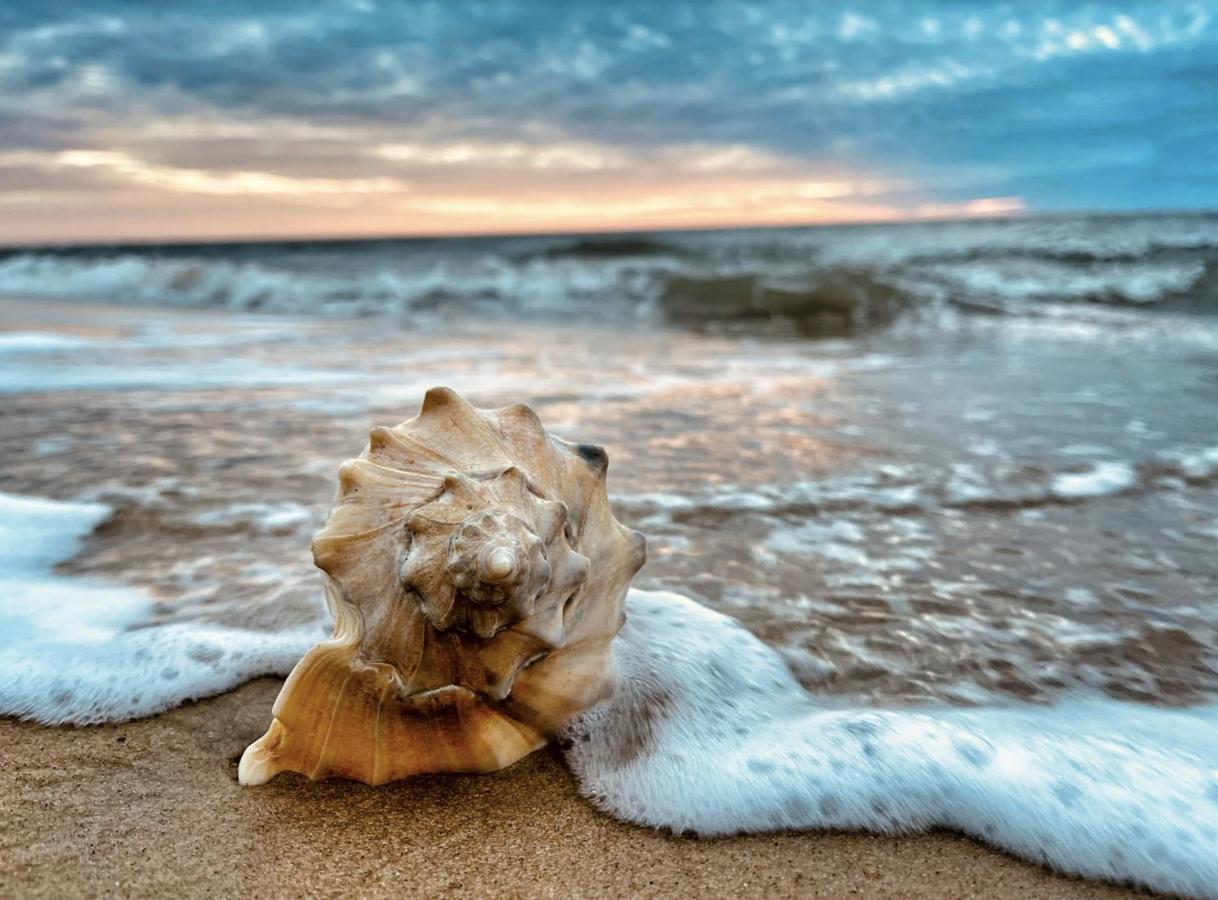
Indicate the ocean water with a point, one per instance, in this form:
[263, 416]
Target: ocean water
[810, 280]
[957, 482]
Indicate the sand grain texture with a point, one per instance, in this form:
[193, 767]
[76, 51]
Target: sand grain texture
[152, 808]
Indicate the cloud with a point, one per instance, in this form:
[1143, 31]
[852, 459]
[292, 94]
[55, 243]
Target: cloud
[950, 101]
[198, 181]
[565, 157]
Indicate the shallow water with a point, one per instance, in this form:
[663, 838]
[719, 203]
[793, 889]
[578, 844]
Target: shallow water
[1012, 509]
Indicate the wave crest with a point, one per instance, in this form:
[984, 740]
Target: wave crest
[823, 280]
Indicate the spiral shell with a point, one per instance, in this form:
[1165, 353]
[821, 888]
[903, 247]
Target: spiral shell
[476, 576]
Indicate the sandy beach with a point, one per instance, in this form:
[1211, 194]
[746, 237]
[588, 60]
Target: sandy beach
[152, 808]
[213, 440]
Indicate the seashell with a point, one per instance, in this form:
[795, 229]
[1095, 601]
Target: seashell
[476, 576]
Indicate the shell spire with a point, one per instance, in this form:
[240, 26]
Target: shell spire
[477, 577]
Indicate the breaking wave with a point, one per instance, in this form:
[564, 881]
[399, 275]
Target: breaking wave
[816, 280]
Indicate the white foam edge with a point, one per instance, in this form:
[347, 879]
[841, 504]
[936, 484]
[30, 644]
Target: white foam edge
[40, 342]
[72, 649]
[1103, 479]
[709, 732]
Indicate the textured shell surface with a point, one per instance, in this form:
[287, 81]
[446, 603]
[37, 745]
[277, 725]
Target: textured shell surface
[476, 576]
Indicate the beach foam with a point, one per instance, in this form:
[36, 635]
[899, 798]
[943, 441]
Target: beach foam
[39, 342]
[918, 487]
[73, 649]
[1101, 480]
[268, 517]
[99, 376]
[710, 733]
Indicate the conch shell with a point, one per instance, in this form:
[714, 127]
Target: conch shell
[476, 576]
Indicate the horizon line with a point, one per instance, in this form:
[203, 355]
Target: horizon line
[239, 239]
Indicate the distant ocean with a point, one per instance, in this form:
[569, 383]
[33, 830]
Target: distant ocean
[960, 479]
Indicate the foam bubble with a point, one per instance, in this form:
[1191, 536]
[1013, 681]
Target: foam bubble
[1101, 480]
[39, 342]
[70, 650]
[709, 732]
[1198, 465]
[266, 517]
[96, 375]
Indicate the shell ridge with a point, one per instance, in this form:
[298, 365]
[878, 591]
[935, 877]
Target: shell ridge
[419, 454]
[377, 739]
[363, 467]
[326, 536]
[317, 772]
[349, 624]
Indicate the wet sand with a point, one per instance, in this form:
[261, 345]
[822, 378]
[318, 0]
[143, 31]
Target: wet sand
[152, 809]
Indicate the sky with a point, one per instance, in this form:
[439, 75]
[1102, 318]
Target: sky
[156, 121]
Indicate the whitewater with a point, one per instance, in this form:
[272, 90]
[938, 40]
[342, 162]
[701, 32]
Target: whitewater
[821, 279]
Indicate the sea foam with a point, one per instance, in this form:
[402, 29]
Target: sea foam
[708, 732]
[72, 649]
[39, 342]
[1102, 480]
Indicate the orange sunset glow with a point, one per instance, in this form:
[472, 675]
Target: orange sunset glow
[461, 188]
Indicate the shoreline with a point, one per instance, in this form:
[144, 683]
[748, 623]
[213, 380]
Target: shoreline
[151, 807]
